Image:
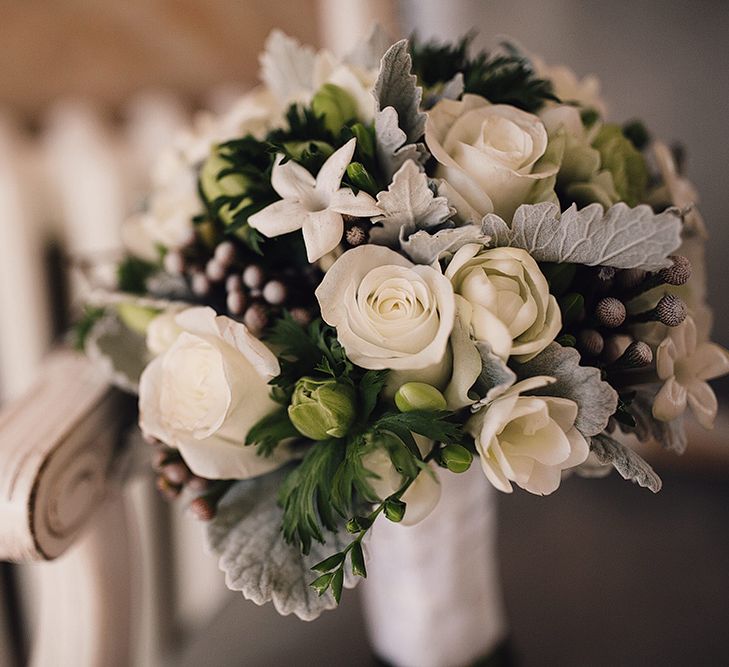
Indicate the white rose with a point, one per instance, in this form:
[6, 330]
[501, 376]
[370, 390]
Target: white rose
[528, 440]
[422, 495]
[511, 308]
[206, 391]
[163, 330]
[389, 313]
[487, 155]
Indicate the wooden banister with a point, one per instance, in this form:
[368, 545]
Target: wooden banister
[57, 447]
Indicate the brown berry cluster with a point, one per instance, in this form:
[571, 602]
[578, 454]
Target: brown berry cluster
[605, 331]
[234, 281]
[175, 480]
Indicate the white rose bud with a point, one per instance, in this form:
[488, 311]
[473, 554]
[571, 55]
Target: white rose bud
[206, 391]
[388, 312]
[511, 308]
[528, 440]
[488, 155]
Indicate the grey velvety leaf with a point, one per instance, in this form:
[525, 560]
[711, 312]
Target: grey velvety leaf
[625, 461]
[596, 399]
[425, 248]
[622, 237]
[671, 435]
[246, 535]
[398, 88]
[392, 147]
[408, 204]
[118, 351]
[399, 122]
[496, 377]
[287, 67]
[368, 53]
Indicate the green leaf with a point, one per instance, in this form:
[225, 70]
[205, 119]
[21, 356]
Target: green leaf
[330, 563]
[306, 492]
[321, 584]
[132, 275]
[356, 556]
[572, 307]
[271, 430]
[337, 584]
[434, 425]
[370, 387]
[83, 327]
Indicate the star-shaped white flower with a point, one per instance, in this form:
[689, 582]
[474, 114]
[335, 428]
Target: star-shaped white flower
[685, 366]
[314, 205]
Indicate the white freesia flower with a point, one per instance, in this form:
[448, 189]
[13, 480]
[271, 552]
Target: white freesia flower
[685, 366]
[511, 308]
[206, 391]
[487, 155]
[314, 205]
[527, 440]
[422, 495]
[585, 91]
[388, 312]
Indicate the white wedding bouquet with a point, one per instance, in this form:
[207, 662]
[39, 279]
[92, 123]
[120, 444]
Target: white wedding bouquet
[410, 258]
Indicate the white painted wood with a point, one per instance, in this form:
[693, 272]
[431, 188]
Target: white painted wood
[343, 22]
[56, 447]
[25, 326]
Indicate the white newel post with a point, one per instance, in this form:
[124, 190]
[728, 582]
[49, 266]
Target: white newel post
[432, 596]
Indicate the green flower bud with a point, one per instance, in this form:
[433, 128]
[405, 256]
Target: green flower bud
[624, 162]
[336, 105]
[322, 409]
[419, 396]
[230, 185]
[456, 458]
[136, 318]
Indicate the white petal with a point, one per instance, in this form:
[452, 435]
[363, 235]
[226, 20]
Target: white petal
[670, 402]
[330, 175]
[322, 233]
[702, 400]
[214, 458]
[291, 180]
[360, 205]
[710, 361]
[281, 217]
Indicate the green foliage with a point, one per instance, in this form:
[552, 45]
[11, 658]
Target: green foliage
[305, 494]
[83, 327]
[624, 162]
[267, 433]
[132, 274]
[506, 78]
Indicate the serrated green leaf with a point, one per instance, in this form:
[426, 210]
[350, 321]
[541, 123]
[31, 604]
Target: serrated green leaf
[321, 584]
[268, 432]
[330, 563]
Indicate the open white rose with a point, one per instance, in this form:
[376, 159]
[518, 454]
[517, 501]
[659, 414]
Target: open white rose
[511, 308]
[389, 313]
[206, 391]
[487, 155]
[528, 440]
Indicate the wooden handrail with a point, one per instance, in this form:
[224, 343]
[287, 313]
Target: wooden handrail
[57, 448]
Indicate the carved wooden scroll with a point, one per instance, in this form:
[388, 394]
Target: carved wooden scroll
[57, 445]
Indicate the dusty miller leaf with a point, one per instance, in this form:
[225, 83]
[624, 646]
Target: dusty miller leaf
[287, 67]
[399, 122]
[246, 535]
[671, 435]
[408, 204]
[629, 464]
[596, 399]
[622, 237]
[118, 351]
[368, 53]
[425, 248]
